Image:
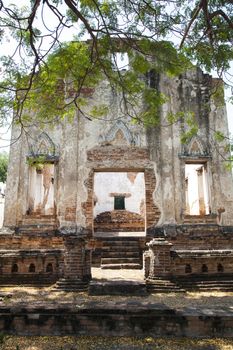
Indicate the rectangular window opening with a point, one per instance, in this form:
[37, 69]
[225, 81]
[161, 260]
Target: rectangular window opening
[197, 189]
[119, 203]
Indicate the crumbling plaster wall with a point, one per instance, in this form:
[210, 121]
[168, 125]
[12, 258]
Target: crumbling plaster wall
[97, 133]
[222, 182]
[17, 180]
[68, 174]
[189, 92]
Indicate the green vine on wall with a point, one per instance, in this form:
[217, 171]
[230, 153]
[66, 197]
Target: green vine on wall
[37, 162]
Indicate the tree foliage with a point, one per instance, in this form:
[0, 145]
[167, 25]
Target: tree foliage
[3, 167]
[158, 36]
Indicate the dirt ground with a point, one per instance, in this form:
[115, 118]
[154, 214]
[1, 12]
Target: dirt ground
[101, 343]
[25, 294]
[197, 300]
[13, 296]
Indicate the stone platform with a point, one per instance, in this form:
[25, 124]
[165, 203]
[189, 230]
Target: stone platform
[117, 287]
[115, 317]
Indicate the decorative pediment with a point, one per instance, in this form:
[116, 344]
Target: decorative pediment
[120, 134]
[43, 146]
[195, 148]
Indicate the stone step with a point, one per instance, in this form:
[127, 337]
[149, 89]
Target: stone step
[117, 287]
[33, 221]
[163, 286]
[200, 219]
[201, 231]
[214, 287]
[205, 278]
[164, 290]
[36, 231]
[158, 282]
[193, 222]
[154, 286]
[120, 251]
[208, 287]
[209, 283]
[118, 239]
[116, 254]
[206, 283]
[36, 228]
[126, 266]
[70, 285]
[38, 216]
[120, 245]
[70, 280]
[121, 260]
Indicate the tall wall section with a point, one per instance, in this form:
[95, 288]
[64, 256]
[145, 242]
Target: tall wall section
[114, 144]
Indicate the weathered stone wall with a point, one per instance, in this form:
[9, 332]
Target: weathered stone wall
[199, 236]
[34, 259]
[203, 264]
[190, 92]
[125, 159]
[189, 249]
[114, 144]
[16, 186]
[120, 319]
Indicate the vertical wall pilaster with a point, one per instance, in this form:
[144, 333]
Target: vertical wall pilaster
[157, 259]
[76, 258]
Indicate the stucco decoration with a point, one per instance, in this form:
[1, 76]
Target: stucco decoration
[120, 134]
[43, 146]
[196, 148]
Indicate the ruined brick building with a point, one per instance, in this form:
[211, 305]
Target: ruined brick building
[108, 187]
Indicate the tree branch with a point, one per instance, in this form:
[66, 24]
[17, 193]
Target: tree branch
[196, 12]
[221, 13]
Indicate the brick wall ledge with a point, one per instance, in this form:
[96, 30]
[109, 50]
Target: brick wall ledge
[191, 229]
[202, 253]
[29, 252]
[126, 318]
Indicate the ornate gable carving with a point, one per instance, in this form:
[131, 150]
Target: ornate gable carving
[43, 146]
[120, 134]
[196, 148]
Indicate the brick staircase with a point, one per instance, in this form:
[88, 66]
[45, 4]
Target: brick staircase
[222, 283]
[200, 219]
[119, 220]
[121, 253]
[70, 285]
[117, 287]
[37, 224]
[162, 285]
